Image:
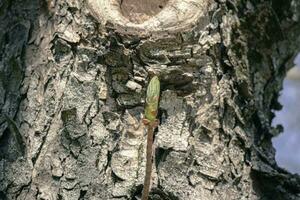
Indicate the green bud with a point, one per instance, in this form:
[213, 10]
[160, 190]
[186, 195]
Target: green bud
[152, 99]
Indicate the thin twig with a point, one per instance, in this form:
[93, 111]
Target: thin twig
[148, 172]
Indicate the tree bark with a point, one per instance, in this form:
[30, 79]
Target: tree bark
[72, 91]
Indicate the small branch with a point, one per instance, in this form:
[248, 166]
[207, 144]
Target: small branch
[148, 172]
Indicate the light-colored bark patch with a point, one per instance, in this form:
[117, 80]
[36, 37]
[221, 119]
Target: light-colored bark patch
[154, 16]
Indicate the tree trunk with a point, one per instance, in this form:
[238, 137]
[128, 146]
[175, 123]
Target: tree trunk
[73, 76]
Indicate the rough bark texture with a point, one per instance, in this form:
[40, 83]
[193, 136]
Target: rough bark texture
[72, 93]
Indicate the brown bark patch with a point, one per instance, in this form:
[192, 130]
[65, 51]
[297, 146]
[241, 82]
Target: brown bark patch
[138, 11]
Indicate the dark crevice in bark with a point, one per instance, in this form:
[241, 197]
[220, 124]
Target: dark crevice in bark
[160, 155]
[159, 193]
[34, 158]
[6, 150]
[277, 187]
[82, 194]
[3, 196]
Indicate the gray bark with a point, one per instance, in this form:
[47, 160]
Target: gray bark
[72, 94]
